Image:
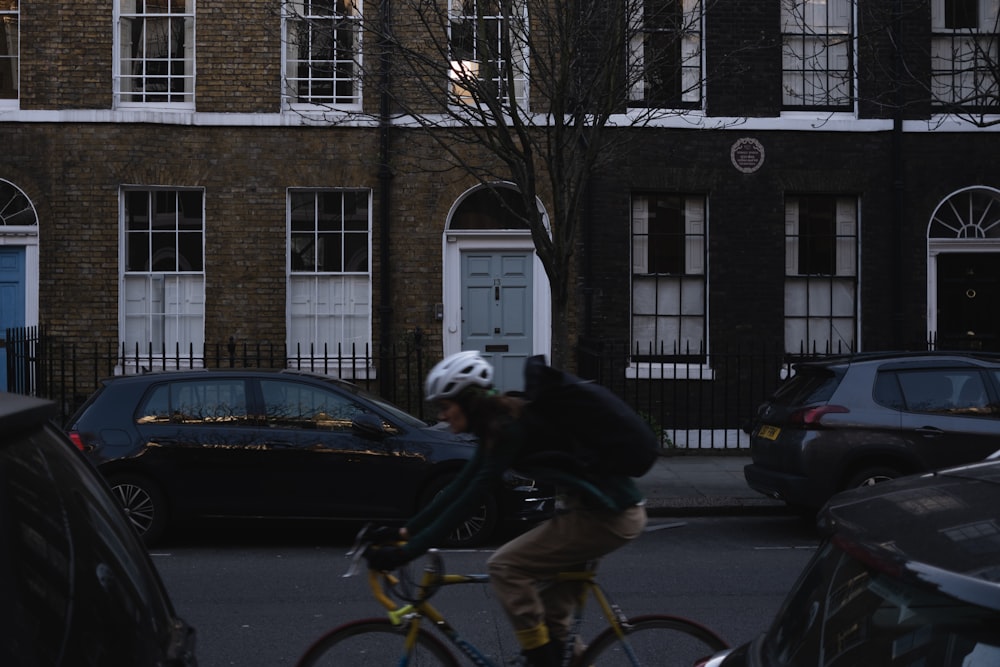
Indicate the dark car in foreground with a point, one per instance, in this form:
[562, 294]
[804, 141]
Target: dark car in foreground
[76, 585]
[908, 574]
[282, 444]
[850, 421]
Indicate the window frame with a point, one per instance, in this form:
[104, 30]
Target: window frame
[815, 38]
[689, 57]
[306, 285]
[297, 11]
[11, 17]
[841, 271]
[648, 264]
[962, 87]
[462, 70]
[172, 335]
[122, 22]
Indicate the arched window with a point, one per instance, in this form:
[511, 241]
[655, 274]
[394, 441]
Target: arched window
[497, 207]
[972, 213]
[15, 208]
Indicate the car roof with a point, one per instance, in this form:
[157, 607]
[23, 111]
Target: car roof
[19, 412]
[221, 372]
[902, 356]
[938, 530]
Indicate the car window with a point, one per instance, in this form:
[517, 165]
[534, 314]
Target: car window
[887, 391]
[217, 401]
[842, 613]
[944, 391]
[808, 385]
[296, 405]
[69, 565]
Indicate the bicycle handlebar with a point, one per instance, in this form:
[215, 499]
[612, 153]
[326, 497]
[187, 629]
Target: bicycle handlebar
[400, 584]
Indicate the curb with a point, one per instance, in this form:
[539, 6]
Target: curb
[714, 506]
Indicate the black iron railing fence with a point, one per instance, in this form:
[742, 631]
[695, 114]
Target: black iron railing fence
[68, 372]
[696, 400]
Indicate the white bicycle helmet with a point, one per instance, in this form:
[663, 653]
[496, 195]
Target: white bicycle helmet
[456, 372]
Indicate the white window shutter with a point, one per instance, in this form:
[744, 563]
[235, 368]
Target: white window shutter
[640, 234]
[791, 237]
[694, 242]
[847, 217]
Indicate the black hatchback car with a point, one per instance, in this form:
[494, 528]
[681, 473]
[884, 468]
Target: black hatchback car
[908, 573]
[258, 443]
[844, 422]
[77, 587]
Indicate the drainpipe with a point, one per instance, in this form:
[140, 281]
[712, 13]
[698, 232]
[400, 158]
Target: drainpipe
[898, 180]
[384, 183]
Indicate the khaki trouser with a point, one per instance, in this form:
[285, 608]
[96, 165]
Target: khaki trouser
[568, 541]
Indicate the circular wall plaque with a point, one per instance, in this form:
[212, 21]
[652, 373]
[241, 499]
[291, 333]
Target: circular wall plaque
[747, 155]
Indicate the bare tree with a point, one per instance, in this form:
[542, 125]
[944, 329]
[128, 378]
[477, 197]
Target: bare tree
[522, 94]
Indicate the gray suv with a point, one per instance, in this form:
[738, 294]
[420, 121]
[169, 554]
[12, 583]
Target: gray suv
[851, 421]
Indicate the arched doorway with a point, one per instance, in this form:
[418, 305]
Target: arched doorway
[496, 296]
[18, 266]
[963, 270]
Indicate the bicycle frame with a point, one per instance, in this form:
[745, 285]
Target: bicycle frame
[412, 613]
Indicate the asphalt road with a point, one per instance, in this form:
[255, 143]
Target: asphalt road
[258, 595]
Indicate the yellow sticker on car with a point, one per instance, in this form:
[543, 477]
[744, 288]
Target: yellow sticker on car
[769, 432]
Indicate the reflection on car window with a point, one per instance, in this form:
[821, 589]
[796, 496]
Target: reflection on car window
[843, 614]
[221, 401]
[944, 391]
[807, 386]
[887, 391]
[79, 581]
[297, 405]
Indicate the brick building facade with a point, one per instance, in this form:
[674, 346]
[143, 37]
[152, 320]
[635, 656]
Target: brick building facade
[731, 192]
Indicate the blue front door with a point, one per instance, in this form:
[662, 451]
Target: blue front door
[497, 312]
[11, 301]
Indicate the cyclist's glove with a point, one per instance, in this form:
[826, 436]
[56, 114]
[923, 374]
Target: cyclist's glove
[384, 535]
[386, 558]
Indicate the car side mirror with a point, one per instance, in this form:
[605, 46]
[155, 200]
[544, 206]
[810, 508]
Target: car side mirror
[368, 425]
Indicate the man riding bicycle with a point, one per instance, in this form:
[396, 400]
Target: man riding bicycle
[599, 512]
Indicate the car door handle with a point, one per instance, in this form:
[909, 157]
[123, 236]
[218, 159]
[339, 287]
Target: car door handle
[930, 431]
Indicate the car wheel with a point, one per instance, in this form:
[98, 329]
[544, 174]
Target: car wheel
[144, 505]
[474, 530]
[872, 476]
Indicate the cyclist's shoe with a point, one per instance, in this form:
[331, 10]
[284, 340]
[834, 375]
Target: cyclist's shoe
[546, 655]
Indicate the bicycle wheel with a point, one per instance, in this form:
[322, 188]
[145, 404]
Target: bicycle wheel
[373, 642]
[664, 641]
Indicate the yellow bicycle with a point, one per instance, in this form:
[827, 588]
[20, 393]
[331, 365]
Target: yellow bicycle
[414, 633]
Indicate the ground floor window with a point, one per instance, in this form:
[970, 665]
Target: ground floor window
[329, 284]
[821, 276]
[162, 296]
[669, 296]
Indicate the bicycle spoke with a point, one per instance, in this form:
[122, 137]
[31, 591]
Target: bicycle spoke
[374, 643]
[654, 640]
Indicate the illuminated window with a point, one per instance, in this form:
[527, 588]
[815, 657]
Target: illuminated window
[488, 44]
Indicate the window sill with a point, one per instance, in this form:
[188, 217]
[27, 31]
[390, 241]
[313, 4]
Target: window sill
[322, 366]
[146, 364]
[668, 370]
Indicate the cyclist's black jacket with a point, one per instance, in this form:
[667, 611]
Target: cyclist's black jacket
[467, 492]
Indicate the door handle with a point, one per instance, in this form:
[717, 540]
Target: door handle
[930, 431]
[496, 289]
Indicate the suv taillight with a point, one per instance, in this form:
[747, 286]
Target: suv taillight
[810, 417]
[76, 439]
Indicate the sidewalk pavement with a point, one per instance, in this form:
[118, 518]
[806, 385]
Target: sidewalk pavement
[703, 484]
